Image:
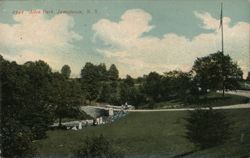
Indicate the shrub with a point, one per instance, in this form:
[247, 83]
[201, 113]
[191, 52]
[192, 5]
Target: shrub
[97, 147]
[207, 128]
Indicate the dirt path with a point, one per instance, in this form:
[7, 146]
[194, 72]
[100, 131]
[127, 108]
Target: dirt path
[237, 106]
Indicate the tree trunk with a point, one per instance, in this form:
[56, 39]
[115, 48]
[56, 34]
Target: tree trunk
[223, 87]
[60, 121]
[223, 92]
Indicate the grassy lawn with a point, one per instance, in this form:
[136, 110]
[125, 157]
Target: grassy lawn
[212, 99]
[151, 133]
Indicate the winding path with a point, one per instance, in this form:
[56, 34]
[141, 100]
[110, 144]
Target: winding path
[237, 106]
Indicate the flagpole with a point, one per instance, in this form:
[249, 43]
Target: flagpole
[222, 50]
[222, 42]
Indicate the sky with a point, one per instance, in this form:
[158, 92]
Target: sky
[137, 36]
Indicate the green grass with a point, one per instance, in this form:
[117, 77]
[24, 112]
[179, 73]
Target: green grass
[151, 133]
[212, 99]
[216, 99]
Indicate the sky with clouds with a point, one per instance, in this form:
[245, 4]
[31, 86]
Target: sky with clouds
[138, 36]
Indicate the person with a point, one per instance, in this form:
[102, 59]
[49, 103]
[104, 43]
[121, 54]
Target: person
[126, 105]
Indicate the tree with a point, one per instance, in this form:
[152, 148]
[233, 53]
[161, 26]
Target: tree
[113, 73]
[217, 72]
[105, 93]
[248, 76]
[37, 113]
[25, 93]
[102, 72]
[65, 71]
[66, 97]
[130, 94]
[90, 81]
[98, 147]
[129, 81]
[152, 86]
[15, 137]
[207, 128]
[176, 83]
[16, 134]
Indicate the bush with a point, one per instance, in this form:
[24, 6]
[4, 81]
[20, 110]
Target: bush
[207, 128]
[16, 140]
[97, 147]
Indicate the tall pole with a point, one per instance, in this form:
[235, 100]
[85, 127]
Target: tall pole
[221, 24]
[222, 50]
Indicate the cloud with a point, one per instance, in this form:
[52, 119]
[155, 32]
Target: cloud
[132, 25]
[34, 37]
[125, 43]
[209, 22]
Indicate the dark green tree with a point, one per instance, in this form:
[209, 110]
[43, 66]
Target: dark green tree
[25, 109]
[109, 88]
[176, 83]
[217, 72]
[15, 136]
[16, 139]
[67, 97]
[37, 112]
[207, 128]
[105, 93]
[103, 74]
[65, 71]
[130, 94]
[152, 86]
[113, 73]
[129, 81]
[98, 147]
[90, 81]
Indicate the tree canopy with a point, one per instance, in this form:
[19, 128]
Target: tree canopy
[113, 73]
[90, 81]
[152, 86]
[217, 72]
[65, 71]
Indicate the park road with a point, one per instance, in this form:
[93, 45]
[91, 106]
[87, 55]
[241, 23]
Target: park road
[237, 106]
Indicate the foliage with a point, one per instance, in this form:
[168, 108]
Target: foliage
[113, 73]
[130, 94]
[66, 97]
[31, 95]
[217, 72]
[97, 147]
[37, 111]
[105, 93]
[129, 81]
[109, 93]
[16, 139]
[207, 128]
[152, 86]
[65, 71]
[177, 84]
[102, 72]
[90, 81]
[17, 104]
[248, 76]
